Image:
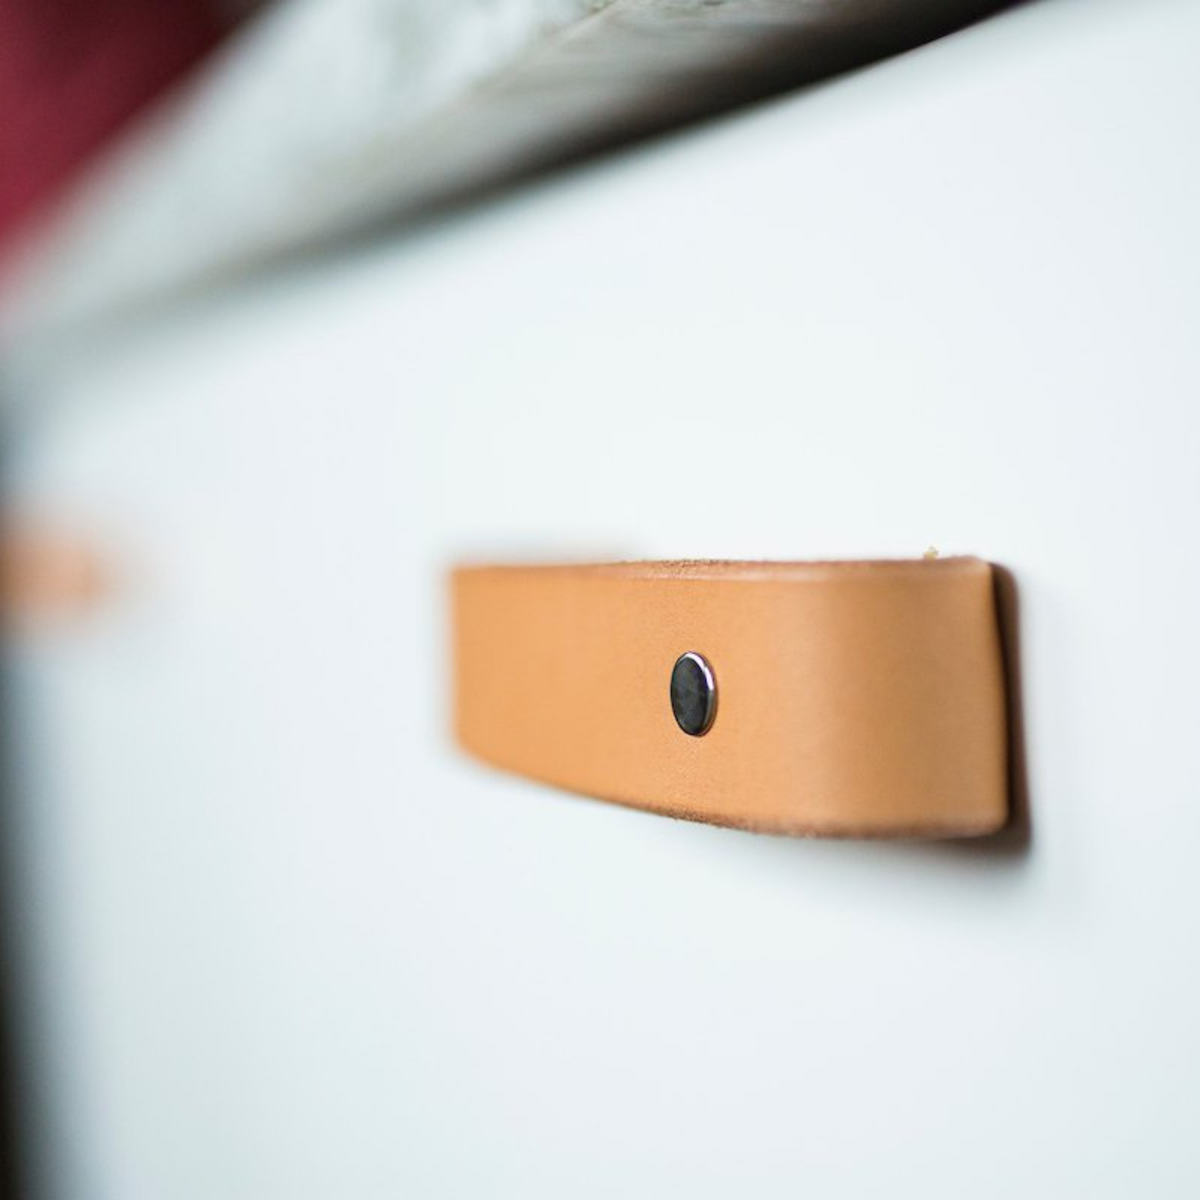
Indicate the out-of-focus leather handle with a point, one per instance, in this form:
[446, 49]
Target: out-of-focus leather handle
[45, 574]
[852, 699]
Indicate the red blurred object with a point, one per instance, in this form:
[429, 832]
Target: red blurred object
[72, 72]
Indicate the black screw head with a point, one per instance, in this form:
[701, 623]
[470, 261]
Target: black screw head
[693, 694]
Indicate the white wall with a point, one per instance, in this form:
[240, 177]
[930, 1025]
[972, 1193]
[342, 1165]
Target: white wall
[290, 945]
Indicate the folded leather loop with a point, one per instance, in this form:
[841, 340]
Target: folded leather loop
[855, 698]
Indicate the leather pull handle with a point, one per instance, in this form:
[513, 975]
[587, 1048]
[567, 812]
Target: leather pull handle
[849, 699]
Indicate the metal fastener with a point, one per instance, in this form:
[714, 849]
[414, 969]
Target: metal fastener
[693, 694]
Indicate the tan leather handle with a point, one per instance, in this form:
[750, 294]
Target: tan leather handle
[852, 699]
[45, 574]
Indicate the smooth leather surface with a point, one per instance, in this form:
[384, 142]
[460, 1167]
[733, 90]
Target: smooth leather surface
[854, 699]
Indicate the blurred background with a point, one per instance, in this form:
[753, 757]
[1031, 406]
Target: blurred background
[303, 301]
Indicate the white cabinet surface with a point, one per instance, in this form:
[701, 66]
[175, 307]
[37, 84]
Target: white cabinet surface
[285, 942]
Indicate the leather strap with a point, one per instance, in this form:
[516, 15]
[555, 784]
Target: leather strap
[853, 698]
[45, 574]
